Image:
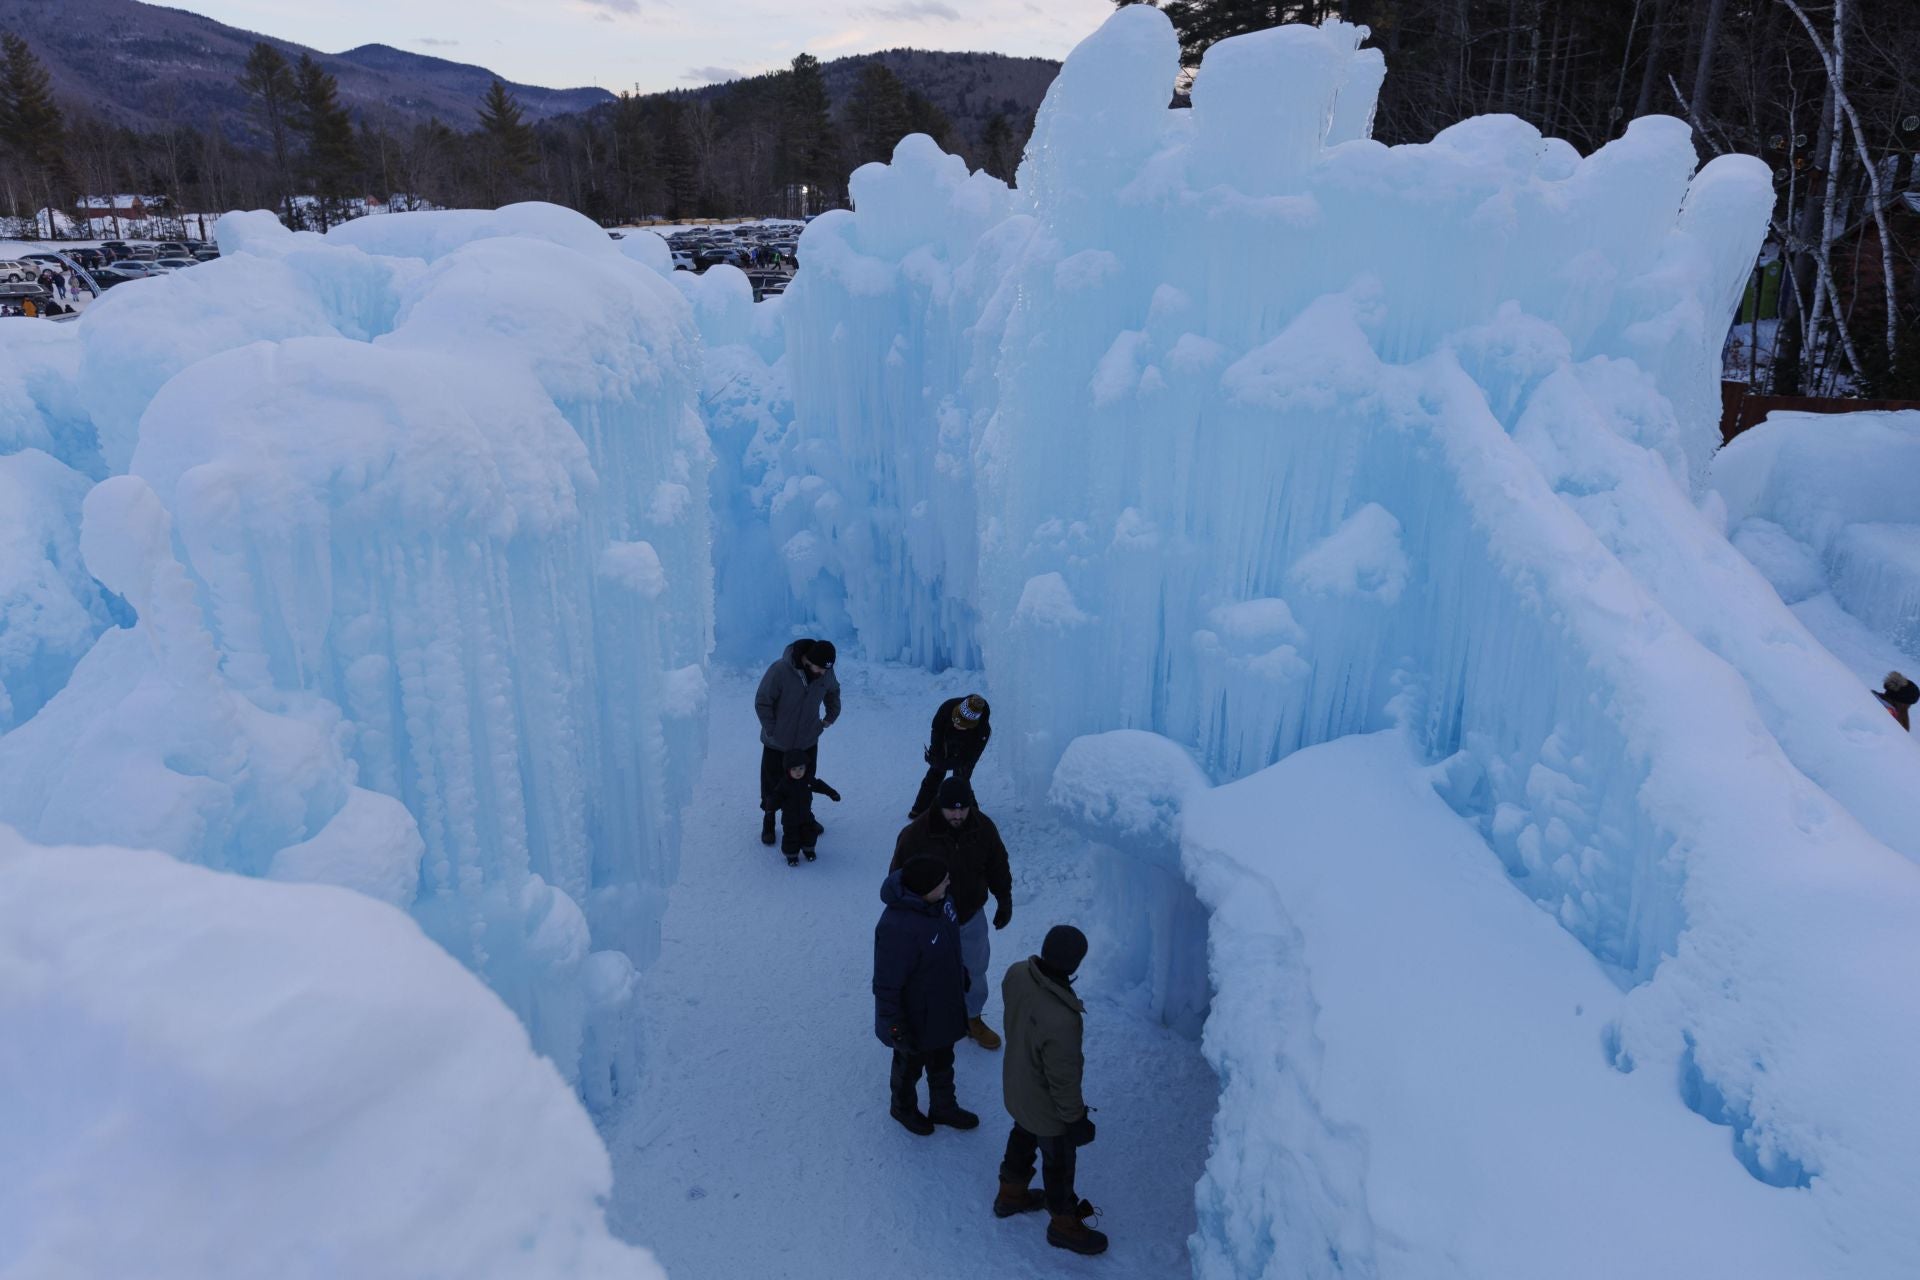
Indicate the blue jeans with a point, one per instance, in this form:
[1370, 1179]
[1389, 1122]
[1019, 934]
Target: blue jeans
[976, 951]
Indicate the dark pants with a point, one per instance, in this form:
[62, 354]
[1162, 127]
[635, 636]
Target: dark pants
[1057, 1158]
[773, 767]
[938, 1064]
[939, 769]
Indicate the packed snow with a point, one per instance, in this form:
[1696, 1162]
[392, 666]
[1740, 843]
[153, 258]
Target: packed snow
[1429, 730]
[208, 1075]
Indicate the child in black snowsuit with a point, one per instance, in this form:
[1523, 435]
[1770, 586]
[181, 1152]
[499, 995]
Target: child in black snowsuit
[793, 797]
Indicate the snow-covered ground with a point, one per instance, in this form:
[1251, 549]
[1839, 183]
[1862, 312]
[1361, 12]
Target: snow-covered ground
[759, 1143]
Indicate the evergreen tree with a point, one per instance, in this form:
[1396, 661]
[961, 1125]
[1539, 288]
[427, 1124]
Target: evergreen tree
[997, 152]
[332, 160]
[924, 117]
[508, 143]
[809, 151]
[1204, 23]
[877, 113]
[269, 81]
[31, 126]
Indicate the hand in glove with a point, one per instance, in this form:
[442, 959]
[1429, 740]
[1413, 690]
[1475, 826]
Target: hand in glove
[829, 793]
[900, 1040]
[927, 755]
[1002, 913]
[1080, 1132]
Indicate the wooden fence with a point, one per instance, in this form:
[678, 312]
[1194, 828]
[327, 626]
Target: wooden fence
[1739, 410]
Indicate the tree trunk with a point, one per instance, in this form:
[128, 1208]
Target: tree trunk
[1703, 73]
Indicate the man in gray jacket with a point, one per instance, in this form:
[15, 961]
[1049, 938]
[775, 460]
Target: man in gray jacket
[793, 693]
[1041, 1077]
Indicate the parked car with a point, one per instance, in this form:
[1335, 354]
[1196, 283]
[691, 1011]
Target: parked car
[116, 249]
[177, 263]
[171, 249]
[121, 272]
[13, 271]
[91, 259]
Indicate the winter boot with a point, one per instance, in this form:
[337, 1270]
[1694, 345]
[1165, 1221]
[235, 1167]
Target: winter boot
[793, 859]
[807, 853]
[953, 1115]
[981, 1034]
[766, 827]
[1065, 1231]
[908, 1114]
[1015, 1198]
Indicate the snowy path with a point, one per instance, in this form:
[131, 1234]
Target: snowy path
[760, 1144]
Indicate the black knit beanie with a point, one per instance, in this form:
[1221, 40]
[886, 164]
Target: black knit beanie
[922, 874]
[1064, 948]
[955, 792]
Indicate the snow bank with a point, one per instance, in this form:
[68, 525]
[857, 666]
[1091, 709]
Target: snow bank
[201, 1081]
[1824, 507]
[1416, 1073]
[416, 529]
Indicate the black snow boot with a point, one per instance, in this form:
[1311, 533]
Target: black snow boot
[1065, 1231]
[808, 854]
[766, 827]
[793, 859]
[943, 1105]
[908, 1114]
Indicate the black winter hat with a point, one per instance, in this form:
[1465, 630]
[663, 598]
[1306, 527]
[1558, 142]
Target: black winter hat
[923, 874]
[955, 792]
[820, 653]
[1064, 948]
[1899, 689]
[793, 760]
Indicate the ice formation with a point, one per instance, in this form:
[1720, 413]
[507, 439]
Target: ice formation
[1228, 434]
[170, 1112]
[1825, 508]
[418, 548]
[1270, 435]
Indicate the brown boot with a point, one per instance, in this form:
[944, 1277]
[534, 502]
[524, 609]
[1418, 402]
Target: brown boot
[1065, 1231]
[981, 1034]
[1016, 1198]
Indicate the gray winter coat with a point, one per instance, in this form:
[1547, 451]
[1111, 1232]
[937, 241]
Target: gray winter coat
[1043, 1064]
[788, 704]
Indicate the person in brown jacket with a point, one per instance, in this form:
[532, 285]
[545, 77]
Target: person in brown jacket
[1041, 1080]
[958, 834]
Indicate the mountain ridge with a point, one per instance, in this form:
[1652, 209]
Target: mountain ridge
[147, 66]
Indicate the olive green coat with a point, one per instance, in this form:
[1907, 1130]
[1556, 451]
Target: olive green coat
[1041, 1070]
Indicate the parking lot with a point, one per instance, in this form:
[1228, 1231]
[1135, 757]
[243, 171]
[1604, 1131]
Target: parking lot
[57, 279]
[767, 251]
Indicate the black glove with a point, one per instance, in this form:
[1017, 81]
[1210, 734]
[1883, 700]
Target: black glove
[1003, 913]
[1080, 1132]
[900, 1040]
[927, 755]
[829, 793]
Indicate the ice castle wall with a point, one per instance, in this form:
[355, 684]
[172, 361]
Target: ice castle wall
[420, 552]
[1290, 436]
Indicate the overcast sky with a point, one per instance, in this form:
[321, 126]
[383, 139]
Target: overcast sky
[660, 44]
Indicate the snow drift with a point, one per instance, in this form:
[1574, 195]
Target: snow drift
[201, 1081]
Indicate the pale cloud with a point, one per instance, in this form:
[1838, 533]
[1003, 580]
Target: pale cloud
[649, 44]
[434, 42]
[911, 11]
[711, 75]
